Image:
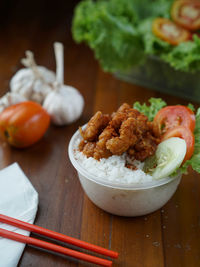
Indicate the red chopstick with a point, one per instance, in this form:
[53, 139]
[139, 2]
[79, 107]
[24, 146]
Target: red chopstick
[57, 236]
[53, 247]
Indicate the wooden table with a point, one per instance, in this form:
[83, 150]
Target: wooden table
[169, 237]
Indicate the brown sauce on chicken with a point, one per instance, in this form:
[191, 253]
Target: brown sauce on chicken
[126, 130]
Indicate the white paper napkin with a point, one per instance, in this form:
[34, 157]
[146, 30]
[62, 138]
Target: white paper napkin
[18, 199]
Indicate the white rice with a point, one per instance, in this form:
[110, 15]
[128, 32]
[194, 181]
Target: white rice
[113, 168]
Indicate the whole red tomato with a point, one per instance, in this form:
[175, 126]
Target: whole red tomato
[23, 124]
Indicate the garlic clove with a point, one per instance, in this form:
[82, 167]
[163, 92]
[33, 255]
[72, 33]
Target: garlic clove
[47, 75]
[22, 82]
[33, 82]
[64, 105]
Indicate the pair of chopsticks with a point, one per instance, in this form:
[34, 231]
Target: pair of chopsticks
[57, 236]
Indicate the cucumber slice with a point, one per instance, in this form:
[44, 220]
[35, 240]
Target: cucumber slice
[168, 158]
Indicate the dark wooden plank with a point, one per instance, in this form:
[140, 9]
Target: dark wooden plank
[138, 240]
[181, 224]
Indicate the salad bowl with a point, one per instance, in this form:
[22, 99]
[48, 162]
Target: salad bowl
[128, 39]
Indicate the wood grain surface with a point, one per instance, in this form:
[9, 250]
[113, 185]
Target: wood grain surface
[169, 237]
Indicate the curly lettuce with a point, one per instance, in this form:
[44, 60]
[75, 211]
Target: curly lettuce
[194, 161]
[109, 28]
[185, 56]
[150, 111]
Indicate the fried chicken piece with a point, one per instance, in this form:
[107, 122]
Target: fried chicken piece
[96, 124]
[119, 116]
[89, 148]
[133, 113]
[131, 151]
[144, 148]
[127, 130]
[101, 151]
[123, 113]
[117, 120]
[81, 145]
[151, 126]
[141, 125]
[124, 107]
[127, 138]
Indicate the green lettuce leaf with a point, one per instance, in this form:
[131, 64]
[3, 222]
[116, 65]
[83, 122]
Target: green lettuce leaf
[191, 106]
[155, 8]
[109, 28]
[195, 159]
[185, 56]
[150, 111]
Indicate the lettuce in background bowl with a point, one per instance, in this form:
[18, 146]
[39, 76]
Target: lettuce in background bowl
[120, 34]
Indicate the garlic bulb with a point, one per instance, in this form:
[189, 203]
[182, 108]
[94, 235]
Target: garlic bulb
[10, 99]
[65, 103]
[33, 82]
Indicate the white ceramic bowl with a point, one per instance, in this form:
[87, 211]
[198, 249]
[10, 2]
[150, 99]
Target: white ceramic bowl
[123, 199]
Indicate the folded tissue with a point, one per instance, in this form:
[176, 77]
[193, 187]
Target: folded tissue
[18, 199]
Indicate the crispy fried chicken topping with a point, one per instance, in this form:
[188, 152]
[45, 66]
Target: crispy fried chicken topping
[127, 130]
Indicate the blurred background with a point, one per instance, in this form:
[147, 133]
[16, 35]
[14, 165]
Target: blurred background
[32, 25]
[46, 13]
[36, 25]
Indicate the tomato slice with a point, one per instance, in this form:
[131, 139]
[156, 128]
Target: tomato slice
[172, 116]
[186, 13]
[170, 32]
[184, 133]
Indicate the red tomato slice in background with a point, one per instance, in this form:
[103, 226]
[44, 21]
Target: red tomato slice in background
[186, 13]
[173, 116]
[170, 32]
[184, 133]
